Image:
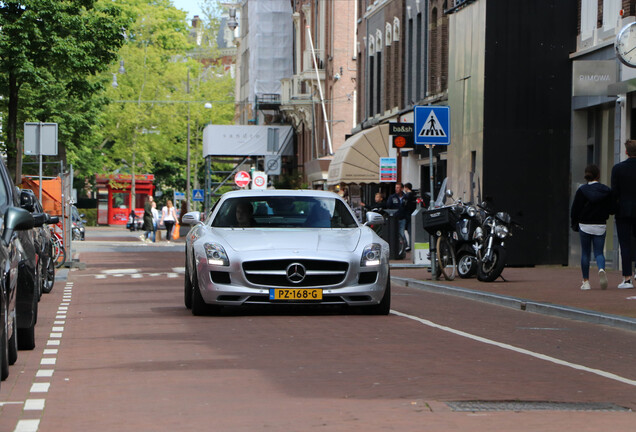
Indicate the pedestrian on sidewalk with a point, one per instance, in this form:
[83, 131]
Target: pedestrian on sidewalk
[591, 208]
[410, 206]
[624, 193]
[397, 201]
[155, 221]
[168, 218]
[148, 226]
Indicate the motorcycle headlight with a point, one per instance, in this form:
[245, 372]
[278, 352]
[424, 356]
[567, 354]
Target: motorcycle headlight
[472, 211]
[501, 231]
[371, 255]
[216, 254]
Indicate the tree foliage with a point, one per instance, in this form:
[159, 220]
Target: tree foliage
[50, 54]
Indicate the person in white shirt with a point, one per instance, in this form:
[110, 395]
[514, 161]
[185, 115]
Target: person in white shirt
[168, 218]
[155, 221]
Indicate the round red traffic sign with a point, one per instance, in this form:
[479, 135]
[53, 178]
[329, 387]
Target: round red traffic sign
[259, 181]
[242, 179]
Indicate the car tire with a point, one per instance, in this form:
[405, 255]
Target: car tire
[13, 344]
[384, 307]
[199, 306]
[50, 276]
[4, 352]
[187, 288]
[26, 336]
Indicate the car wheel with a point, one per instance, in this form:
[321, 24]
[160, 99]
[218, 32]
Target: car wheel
[199, 306]
[26, 336]
[4, 352]
[187, 288]
[50, 276]
[13, 344]
[384, 307]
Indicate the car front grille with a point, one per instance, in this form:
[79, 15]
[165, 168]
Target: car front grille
[275, 272]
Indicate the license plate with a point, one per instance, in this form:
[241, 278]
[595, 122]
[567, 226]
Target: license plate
[295, 294]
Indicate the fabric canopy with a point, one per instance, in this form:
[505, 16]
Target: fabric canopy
[358, 159]
[245, 140]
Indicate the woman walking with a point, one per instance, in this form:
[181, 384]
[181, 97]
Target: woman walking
[591, 207]
[168, 218]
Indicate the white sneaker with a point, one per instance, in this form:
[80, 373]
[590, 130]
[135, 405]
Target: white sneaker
[626, 284]
[141, 237]
[586, 286]
[603, 278]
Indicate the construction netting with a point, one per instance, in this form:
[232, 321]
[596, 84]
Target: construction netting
[270, 45]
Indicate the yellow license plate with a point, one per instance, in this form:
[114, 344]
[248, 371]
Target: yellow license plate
[295, 294]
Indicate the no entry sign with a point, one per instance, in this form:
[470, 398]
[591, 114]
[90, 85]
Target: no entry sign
[242, 178]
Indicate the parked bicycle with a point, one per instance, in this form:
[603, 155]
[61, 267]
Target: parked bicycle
[59, 251]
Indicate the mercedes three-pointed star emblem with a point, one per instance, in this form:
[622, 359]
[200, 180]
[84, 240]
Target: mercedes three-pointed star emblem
[296, 273]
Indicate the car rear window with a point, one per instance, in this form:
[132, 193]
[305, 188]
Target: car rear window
[284, 211]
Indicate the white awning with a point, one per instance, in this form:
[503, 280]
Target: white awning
[358, 159]
[246, 140]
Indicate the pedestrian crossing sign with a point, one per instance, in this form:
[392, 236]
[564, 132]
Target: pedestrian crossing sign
[432, 125]
[197, 195]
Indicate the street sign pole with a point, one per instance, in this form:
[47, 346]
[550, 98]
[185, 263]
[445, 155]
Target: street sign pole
[432, 243]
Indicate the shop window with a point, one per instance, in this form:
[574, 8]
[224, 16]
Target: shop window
[120, 200]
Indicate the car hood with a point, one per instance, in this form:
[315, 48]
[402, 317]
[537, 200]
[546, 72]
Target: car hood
[341, 240]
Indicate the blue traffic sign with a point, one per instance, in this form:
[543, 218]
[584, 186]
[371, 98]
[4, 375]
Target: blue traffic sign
[432, 125]
[198, 195]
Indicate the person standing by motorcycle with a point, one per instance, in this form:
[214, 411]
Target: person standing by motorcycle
[398, 201]
[410, 206]
[590, 210]
[623, 183]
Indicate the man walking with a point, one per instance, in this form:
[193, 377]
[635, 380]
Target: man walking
[623, 183]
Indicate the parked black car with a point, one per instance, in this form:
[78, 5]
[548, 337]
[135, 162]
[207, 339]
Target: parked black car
[15, 221]
[41, 239]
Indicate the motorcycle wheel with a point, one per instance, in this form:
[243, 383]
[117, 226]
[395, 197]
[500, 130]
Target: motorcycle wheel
[489, 271]
[446, 258]
[467, 265]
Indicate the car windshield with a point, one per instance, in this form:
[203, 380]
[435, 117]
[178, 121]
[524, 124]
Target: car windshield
[284, 211]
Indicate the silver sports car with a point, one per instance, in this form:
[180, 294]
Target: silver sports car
[284, 247]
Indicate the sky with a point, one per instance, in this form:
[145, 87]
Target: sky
[190, 6]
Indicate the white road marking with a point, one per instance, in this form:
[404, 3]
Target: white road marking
[44, 373]
[61, 322]
[27, 426]
[178, 269]
[100, 276]
[40, 387]
[53, 342]
[554, 360]
[34, 405]
[137, 276]
[57, 329]
[60, 316]
[119, 271]
[172, 275]
[48, 361]
[55, 335]
[50, 351]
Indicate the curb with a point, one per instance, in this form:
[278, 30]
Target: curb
[588, 316]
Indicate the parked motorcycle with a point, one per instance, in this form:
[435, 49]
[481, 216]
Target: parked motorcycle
[492, 259]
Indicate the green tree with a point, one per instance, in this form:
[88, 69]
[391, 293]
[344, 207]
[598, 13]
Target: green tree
[55, 48]
[165, 76]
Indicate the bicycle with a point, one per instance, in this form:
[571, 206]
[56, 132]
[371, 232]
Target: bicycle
[59, 252]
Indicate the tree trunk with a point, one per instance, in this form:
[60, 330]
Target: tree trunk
[14, 156]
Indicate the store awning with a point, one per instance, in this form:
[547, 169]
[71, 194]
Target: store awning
[247, 140]
[358, 159]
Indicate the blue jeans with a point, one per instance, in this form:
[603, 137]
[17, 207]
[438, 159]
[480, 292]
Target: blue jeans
[587, 242]
[401, 228]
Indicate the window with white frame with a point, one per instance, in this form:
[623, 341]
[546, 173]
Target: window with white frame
[611, 14]
[589, 15]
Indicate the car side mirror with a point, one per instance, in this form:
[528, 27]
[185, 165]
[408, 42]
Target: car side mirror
[374, 218]
[16, 219]
[26, 201]
[191, 218]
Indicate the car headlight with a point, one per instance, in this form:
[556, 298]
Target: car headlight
[371, 255]
[501, 231]
[216, 254]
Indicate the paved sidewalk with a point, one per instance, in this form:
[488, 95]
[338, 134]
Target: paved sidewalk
[553, 290]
